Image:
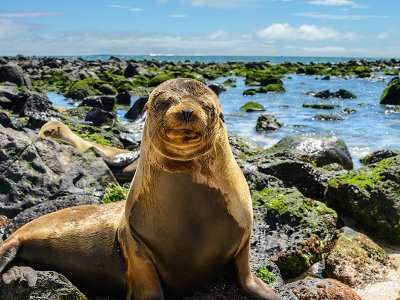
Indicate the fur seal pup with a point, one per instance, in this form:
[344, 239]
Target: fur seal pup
[122, 162]
[187, 216]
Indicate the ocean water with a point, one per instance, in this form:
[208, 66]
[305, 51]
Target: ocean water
[373, 126]
[222, 59]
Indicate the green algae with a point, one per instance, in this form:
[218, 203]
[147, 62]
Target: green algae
[265, 275]
[252, 106]
[113, 193]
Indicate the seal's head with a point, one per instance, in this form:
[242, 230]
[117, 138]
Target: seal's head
[57, 131]
[183, 119]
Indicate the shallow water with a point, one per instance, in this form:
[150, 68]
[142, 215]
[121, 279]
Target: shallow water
[372, 127]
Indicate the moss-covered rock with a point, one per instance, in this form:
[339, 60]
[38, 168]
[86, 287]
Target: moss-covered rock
[82, 89]
[293, 229]
[160, 79]
[230, 82]
[252, 106]
[391, 94]
[371, 195]
[356, 260]
[377, 156]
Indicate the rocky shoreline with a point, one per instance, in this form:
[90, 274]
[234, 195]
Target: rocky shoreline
[303, 188]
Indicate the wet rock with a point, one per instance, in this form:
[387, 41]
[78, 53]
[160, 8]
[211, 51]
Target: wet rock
[217, 88]
[322, 289]
[344, 94]
[316, 149]
[328, 117]
[225, 286]
[136, 111]
[252, 106]
[106, 103]
[320, 105]
[391, 94]
[377, 156]
[33, 171]
[99, 117]
[14, 73]
[47, 207]
[124, 98]
[133, 69]
[349, 110]
[267, 123]
[243, 147]
[371, 196]
[292, 172]
[356, 260]
[5, 120]
[39, 110]
[8, 95]
[49, 285]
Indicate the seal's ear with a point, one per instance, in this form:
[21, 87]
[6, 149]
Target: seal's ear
[221, 117]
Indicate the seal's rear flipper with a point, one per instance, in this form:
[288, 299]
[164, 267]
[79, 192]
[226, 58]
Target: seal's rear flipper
[8, 256]
[20, 274]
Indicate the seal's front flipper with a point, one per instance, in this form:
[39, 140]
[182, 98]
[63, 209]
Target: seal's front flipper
[250, 283]
[20, 274]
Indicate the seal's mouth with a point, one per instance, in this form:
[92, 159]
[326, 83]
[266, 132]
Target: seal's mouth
[183, 136]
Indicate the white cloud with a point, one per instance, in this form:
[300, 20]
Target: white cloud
[10, 29]
[29, 14]
[284, 31]
[383, 36]
[332, 2]
[326, 50]
[128, 8]
[317, 15]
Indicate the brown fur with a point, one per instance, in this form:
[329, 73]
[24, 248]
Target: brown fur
[188, 213]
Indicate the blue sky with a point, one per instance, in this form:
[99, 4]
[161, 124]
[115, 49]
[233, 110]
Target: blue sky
[350, 28]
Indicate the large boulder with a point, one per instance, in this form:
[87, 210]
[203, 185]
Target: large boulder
[316, 149]
[292, 230]
[371, 195]
[39, 110]
[391, 94]
[15, 74]
[34, 170]
[292, 171]
[356, 260]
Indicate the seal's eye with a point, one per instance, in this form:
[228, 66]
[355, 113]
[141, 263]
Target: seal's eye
[210, 111]
[162, 105]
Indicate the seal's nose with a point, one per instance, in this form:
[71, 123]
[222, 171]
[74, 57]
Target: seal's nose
[186, 114]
